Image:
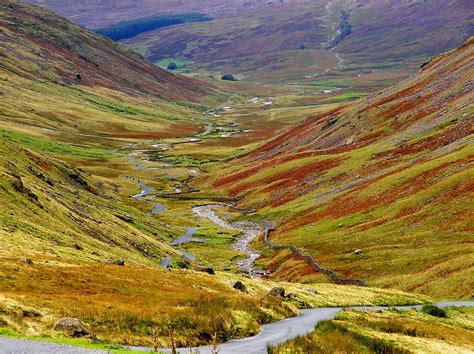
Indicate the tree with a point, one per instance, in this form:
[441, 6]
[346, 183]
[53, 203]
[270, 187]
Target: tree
[172, 66]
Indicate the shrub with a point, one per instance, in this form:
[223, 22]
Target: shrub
[228, 77]
[434, 311]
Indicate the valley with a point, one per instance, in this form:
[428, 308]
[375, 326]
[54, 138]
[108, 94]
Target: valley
[170, 207]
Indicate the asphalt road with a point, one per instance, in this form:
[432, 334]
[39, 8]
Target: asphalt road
[23, 346]
[273, 333]
[279, 332]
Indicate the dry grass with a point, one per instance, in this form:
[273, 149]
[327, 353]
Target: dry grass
[391, 331]
[125, 304]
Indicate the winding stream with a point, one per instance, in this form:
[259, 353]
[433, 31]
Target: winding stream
[147, 193]
[249, 229]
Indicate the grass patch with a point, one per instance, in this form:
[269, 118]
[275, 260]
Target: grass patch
[44, 145]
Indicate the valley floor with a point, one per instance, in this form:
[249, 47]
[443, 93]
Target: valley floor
[140, 234]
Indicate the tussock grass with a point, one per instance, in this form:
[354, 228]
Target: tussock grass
[391, 331]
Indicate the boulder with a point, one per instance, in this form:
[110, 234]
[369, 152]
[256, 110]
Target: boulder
[115, 262]
[358, 251]
[208, 270]
[240, 286]
[72, 326]
[279, 292]
[77, 247]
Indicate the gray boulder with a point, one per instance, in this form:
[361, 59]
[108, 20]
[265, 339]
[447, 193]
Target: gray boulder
[279, 292]
[118, 262]
[72, 326]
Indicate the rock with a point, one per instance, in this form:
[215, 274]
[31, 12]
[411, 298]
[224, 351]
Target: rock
[27, 260]
[313, 291]
[115, 262]
[77, 247]
[279, 292]
[358, 251]
[208, 270]
[72, 326]
[240, 286]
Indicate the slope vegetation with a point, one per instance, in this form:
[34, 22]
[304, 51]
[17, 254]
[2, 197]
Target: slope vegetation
[389, 177]
[52, 210]
[40, 45]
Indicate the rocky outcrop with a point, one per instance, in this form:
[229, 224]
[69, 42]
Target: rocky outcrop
[119, 262]
[208, 270]
[278, 292]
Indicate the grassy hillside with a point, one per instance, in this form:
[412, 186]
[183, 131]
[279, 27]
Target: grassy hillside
[85, 124]
[53, 210]
[389, 176]
[40, 45]
[126, 304]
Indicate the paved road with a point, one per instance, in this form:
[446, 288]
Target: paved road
[273, 333]
[23, 346]
[279, 332]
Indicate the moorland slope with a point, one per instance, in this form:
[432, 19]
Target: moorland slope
[40, 45]
[378, 189]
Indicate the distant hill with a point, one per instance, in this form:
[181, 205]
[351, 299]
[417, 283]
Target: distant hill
[41, 45]
[291, 40]
[380, 189]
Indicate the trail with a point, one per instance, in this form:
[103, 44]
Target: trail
[332, 25]
[281, 331]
